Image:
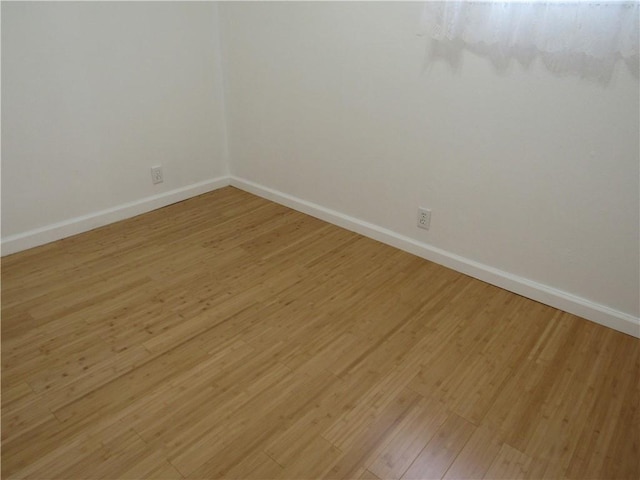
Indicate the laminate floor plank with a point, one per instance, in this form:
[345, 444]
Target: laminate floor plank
[437, 456]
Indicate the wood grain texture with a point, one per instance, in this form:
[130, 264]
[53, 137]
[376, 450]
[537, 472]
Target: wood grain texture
[230, 337]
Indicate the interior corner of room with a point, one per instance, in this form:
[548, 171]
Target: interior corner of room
[334, 109]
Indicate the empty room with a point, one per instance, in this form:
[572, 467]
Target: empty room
[305, 240]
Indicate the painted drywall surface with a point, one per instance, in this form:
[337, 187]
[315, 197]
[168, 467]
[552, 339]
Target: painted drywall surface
[530, 173]
[94, 94]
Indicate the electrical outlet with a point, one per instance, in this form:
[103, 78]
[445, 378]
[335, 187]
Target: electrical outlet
[156, 174]
[424, 218]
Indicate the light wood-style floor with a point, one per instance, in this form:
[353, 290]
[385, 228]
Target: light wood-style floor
[229, 337]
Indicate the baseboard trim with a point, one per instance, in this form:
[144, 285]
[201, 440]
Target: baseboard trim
[576, 305]
[84, 223]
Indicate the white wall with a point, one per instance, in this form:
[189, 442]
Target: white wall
[534, 175]
[533, 179]
[93, 95]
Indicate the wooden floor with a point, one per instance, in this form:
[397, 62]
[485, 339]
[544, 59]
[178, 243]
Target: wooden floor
[230, 337]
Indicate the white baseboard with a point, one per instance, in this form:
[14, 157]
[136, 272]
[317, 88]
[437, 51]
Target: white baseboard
[84, 223]
[576, 305]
